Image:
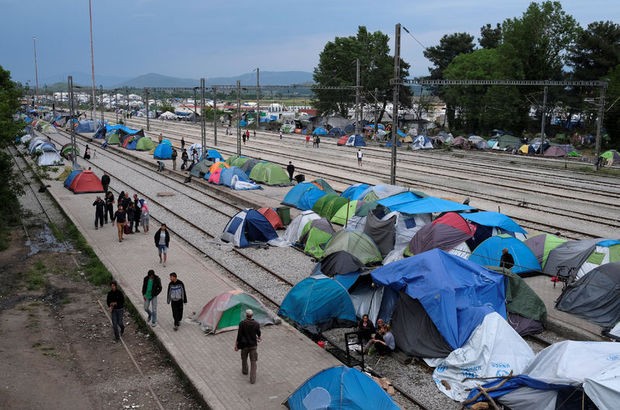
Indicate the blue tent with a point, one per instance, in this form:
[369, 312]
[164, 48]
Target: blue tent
[428, 205]
[489, 252]
[163, 150]
[231, 175]
[132, 145]
[71, 177]
[318, 303]
[353, 191]
[86, 126]
[248, 226]
[455, 293]
[355, 141]
[389, 144]
[336, 132]
[319, 131]
[303, 196]
[213, 155]
[340, 387]
[243, 123]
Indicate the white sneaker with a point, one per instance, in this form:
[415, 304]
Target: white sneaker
[153, 324]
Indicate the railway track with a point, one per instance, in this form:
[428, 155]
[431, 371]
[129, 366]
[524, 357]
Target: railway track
[592, 216]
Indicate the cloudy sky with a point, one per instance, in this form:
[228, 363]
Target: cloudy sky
[208, 38]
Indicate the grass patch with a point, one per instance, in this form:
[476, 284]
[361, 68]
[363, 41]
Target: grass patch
[35, 276]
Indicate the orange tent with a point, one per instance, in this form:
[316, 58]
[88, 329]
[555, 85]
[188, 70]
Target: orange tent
[86, 182]
[273, 217]
[218, 165]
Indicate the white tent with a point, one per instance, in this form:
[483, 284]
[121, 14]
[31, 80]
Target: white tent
[294, 229]
[168, 116]
[49, 158]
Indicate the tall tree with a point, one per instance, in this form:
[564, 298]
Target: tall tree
[337, 68]
[612, 114]
[596, 50]
[490, 37]
[9, 128]
[450, 46]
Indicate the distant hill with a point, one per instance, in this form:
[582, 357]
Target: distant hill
[266, 78]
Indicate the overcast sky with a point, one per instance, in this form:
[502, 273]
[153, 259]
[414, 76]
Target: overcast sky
[207, 38]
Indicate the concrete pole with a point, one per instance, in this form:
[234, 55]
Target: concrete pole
[71, 119]
[214, 116]
[257, 98]
[543, 119]
[36, 72]
[203, 124]
[395, 98]
[146, 95]
[238, 118]
[92, 56]
[599, 124]
[358, 128]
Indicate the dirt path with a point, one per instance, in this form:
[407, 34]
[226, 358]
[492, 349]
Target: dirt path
[56, 344]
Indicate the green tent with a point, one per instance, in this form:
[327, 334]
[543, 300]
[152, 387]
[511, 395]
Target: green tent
[333, 206]
[612, 157]
[225, 312]
[269, 173]
[145, 144]
[113, 139]
[67, 151]
[316, 241]
[522, 300]
[345, 212]
[322, 205]
[238, 162]
[366, 207]
[357, 244]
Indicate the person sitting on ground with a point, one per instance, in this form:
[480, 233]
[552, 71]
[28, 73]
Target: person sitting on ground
[383, 341]
[160, 166]
[365, 329]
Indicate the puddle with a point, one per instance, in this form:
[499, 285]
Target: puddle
[43, 240]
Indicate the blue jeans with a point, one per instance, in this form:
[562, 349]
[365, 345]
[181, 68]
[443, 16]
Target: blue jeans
[117, 322]
[152, 303]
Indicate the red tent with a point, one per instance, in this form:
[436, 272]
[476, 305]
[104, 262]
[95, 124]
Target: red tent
[86, 182]
[273, 217]
[342, 140]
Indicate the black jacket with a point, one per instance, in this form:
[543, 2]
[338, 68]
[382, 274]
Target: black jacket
[156, 290]
[120, 217]
[100, 206]
[157, 236]
[105, 179]
[249, 331]
[116, 296]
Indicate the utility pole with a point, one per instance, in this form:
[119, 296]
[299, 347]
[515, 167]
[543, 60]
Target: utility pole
[543, 120]
[358, 128]
[36, 72]
[395, 98]
[203, 125]
[146, 95]
[127, 102]
[214, 116]
[116, 104]
[257, 98]
[72, 119]
[599, 125]
[92, 56]
[102, 116]
[195, 112]
[238, 118]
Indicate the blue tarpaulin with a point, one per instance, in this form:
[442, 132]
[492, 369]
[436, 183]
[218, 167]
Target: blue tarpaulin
[429, 205]
[494, 219]
[457, 294]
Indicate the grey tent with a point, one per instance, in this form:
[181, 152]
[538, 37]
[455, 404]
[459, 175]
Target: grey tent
[445, 233]
[340, 263]
[200, 168]
[595, 296]
[382, 232]
[248, 165]
[425, 341]
[569, 256]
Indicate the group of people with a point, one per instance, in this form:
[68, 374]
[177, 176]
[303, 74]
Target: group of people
[377, 339]
[151, 288]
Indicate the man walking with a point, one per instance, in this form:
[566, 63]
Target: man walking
[116, 303]
[105, 181]
[360, 156]
[176, 298]
[247, 340]
[120, 218]
[162, 241]
[151, 287]
[290, 168]
[109, 205]
[174, 159]
[99, 205]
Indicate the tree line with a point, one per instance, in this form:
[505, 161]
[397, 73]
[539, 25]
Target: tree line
[544, 43]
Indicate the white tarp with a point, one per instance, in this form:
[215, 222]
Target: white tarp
[604, 388]
[571, 363]
[493, 350]
[294, 229]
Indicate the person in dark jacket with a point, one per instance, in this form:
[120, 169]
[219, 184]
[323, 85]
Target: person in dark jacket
[290, 168]
[99, 205]
[109, 205]
[120, 218]
[151, 287]
[162, 242]
[116, 303]
[137, 206]
[184, 158]
[105, 181]
[365, 330]
[131, 214]
[176, 298]
[247, 340]
[506, 261]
